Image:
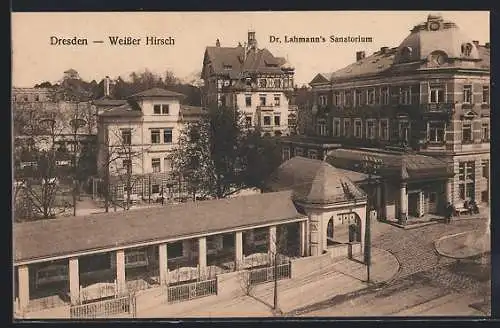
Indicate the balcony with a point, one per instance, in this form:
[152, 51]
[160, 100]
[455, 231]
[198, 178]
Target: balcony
[445, 108]
[265, 108]
[293, 108]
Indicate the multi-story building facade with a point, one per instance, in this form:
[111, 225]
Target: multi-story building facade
[429, 96]
[136, 138]
[252, 80]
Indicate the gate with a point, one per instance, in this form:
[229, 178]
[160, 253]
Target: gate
[105, 308]
[189, 291]
[262, 275]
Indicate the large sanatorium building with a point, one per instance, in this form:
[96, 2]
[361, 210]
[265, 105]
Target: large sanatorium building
[309, 208]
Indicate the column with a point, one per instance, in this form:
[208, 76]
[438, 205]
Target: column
[238, 248]
[202, 252]
[163, 263]
[403, 203]
[314, 238]
[449, 192]
[24, 286]
[120, 271]
[272, 240]
[186, 248]
[74, 280]
[303, 238]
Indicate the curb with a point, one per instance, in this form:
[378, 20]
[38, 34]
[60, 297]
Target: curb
[434, 244]
[423, 224]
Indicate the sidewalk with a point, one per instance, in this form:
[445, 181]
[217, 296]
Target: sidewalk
[342, 277]
[464, 244]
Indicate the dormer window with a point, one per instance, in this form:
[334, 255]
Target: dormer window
[228, 67]
[466, 49]
[406, 53]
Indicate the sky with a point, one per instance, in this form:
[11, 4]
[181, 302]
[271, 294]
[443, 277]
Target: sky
[35, 60]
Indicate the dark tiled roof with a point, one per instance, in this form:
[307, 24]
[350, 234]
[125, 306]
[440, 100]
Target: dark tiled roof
[401, 165]
[376, 63]
[232, 61]
[157, 92]
[109, 102]
[314, 181]
[125, 110]
[63, 237]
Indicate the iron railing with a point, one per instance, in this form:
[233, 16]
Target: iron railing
[105, 308]
[193, 290]
[267, 274]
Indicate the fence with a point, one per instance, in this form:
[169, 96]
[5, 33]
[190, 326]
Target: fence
[266, 274]
[188, 291]
[106, 308]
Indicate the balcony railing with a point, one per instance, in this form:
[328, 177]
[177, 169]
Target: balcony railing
[266, 108]
[292, 108]
[438, 108]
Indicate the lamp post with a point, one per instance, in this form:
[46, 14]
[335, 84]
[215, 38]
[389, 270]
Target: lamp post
[75, 124]
[371, 166]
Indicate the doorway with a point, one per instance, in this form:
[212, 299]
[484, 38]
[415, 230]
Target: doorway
[413, 204]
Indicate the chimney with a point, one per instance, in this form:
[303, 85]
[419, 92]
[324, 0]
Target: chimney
[360, 55]
[476, 43]
[383, 49]
[252, 42]
[106, 86]
[217, 43]
[487, 45]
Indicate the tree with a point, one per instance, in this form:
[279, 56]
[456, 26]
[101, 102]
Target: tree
[279, 247]
[208, 155]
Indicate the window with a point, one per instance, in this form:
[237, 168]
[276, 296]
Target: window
[127, 137]
[485, 131]
[248, 121]
[338, 99]
[227, 67]
[371, 96]
[348, 98]
[467, 49]
[161, 109]
[313, 154]
[385, 96]
[262, 99]
[248, 100]
[155, 136]
[466, 132]
[156, 165]
[167, 136]
[25, 98]
[347, 127]
[167, 164]
[262, 83]
[277, 99]
[358, 128]
[435, 131]
[37, 98]
[436, 94]
[321, 128]
[322, 100]
[277, 120]
[486, 94]
[404, 131]
[359, 98]
[155, 189]
[267, 120]
[370, 129]
[299, 151]
[405, 96]
[174, 250]
[384, 129]
[467, 94]
[485, 166]
[277, 83]
[466, 177]
[336, 127]
[127, 165]
[286, 153]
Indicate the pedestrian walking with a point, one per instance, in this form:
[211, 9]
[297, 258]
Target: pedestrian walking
[448, 213]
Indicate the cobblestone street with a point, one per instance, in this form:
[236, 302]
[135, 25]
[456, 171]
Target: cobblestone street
[427, 283]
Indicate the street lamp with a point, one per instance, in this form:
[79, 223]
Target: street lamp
[371, 166]
[75, 124]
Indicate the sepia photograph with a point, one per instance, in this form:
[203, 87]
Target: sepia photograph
[250, 164]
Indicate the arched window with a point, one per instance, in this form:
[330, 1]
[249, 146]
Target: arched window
[406, 53]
